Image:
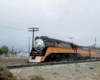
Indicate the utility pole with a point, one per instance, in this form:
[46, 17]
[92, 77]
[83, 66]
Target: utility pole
[71, 39]
[29, 45]
[99, 45]
[95, 42]
[12, 48]
[33, 30]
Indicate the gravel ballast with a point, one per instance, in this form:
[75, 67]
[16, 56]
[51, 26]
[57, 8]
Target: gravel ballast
[77, 71]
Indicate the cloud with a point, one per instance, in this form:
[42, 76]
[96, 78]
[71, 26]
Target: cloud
[54, 18]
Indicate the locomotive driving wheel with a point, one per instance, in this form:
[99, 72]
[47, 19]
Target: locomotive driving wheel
[63, 58]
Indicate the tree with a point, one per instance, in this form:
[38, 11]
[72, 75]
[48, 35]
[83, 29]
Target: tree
[4, 49]
[1, 51]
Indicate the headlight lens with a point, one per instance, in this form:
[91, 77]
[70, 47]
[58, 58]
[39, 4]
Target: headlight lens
[39, 45]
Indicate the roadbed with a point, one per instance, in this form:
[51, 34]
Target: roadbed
[77, 71]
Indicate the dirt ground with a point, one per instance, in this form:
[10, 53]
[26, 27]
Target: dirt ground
[5, 61]
[77, 71]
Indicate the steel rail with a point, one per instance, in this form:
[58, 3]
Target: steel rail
[21, 65]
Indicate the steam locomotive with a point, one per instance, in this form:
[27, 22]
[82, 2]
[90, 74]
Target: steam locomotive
[49, 49]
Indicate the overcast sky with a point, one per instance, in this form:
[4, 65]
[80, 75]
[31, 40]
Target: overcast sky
[58, 19]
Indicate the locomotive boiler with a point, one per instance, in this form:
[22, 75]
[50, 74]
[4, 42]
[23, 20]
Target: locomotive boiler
[49, 50]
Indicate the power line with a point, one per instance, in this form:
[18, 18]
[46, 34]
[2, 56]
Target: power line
[12, 28]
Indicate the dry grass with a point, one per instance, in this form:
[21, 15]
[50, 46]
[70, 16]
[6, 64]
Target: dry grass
[5, 74]
[12, 60]
[37, 77]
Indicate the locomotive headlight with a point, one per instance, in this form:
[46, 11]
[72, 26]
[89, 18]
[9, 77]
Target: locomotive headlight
[39, 45]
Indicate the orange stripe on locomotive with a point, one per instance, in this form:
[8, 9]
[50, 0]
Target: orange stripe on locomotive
[55, 50]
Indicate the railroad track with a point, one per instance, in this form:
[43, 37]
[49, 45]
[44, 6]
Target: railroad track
[21, 65]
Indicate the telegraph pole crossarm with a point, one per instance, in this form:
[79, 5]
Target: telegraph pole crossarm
[33, 30]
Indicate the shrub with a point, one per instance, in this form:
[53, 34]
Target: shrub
[5, 74]
[37, 77]
[4, 49]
